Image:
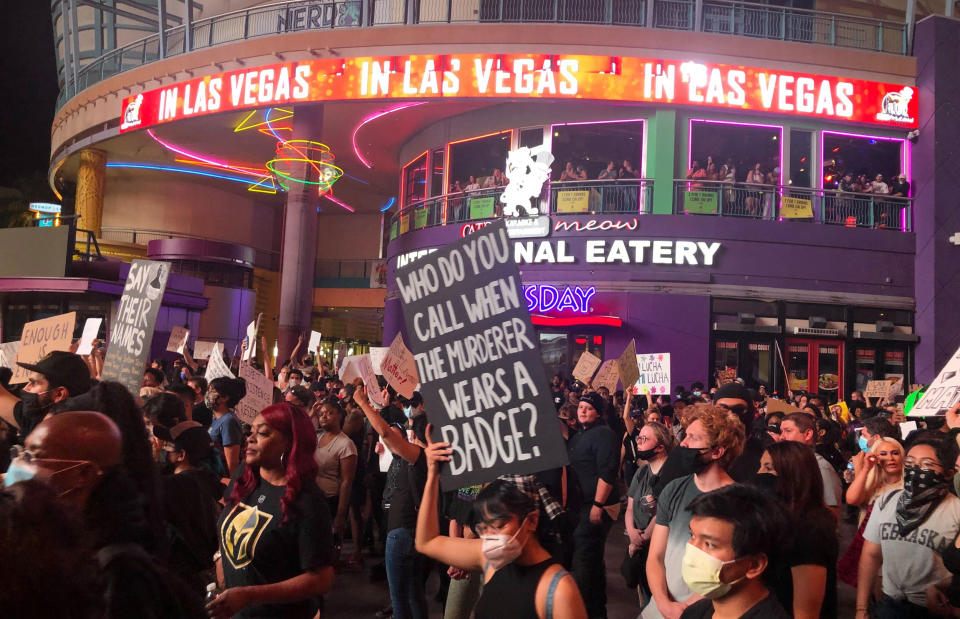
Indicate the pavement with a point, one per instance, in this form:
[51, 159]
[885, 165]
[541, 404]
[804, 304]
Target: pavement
[354, 596]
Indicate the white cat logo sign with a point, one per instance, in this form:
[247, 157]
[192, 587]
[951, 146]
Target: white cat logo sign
[131, 114]
[895, 106]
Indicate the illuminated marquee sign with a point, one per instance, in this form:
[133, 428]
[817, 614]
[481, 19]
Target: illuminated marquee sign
[542, 298]
[534, 76]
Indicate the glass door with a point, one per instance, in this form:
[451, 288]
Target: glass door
[816, 366]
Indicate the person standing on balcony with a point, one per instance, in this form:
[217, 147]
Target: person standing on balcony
[609, 173]
[757, 178]
[568, 174]
[901, 188]
[628, 171]
[472, 185]
[878, 186]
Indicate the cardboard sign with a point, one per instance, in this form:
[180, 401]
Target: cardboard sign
[482, 208]
[627, 366]
[586, 366]
[377, 353]
[607, 376]
[314, 341]
[8, 354]
[477, 355]
[44, 336]
[202, 350]
[259, 393]
[569, 201]
[943, 393]
[779, 406]
[400, 368]
[877, 389]
[796, 208]
[132, 330]
[216, 367]
[370, 384]
[654, 373]
[178, 340]
[701, 202]
[349, 369]
[90, 330]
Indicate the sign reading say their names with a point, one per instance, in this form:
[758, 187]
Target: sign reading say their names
[399, 368]
[943, 393]
[478, 359]
[586, 366]
[41, 337]
[132, 330]
[259, 393]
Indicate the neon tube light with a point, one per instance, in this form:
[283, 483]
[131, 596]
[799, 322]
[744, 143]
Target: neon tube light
[163, 168]
[386, 207]
[370, 118]
[730, 122]
[339, 203]
[576, 321]
[198, 157]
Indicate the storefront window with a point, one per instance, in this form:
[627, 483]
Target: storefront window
[829, 372]
[760, 364]
[798, 361]
[740, 145]
[415, 180]
[800, 158]
[725, 356]
[590, 147]
[436, 173]
[478, 157]
[866, 362]
[553, 351]
[531, 137]
[863, 157]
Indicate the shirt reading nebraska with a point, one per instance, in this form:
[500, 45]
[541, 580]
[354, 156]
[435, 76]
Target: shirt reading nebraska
[555, 76]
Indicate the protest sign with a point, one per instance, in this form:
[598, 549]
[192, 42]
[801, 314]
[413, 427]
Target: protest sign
[314, 341]
[90, 330]
[796, 208]
[349, 369]
[377, 354]
[477, 355]
[943, 392]
[41, 337]
[251, 338]
[8, 354]
[132, 330]
[654, 373]
[482, 208]
[399, 368]
[607, 376]
[216, 367]
[178, 340]
[586, 366]
[906, 428]
[780, 406]
[627, 366]
[370, 383]
[341, 355]
[702, 202]
[259, 393]
[202, 350]
[569, 201]
[877, 389]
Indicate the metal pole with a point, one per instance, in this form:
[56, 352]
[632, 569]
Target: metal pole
[698, 15]
[909, 21]
[948, 8]
[162, 28]
[188, 26]
[67, 63]
[650, 19]
[74, 30]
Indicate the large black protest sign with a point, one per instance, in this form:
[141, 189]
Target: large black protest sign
[480, 370]
[132, 330]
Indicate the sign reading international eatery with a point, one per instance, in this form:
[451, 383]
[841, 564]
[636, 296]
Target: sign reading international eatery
[132, 330]
[537, 76]
[478, 359]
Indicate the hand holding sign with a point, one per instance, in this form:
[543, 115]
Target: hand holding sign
[399, 368]
[586, 366]
[178, 340]
[943, 393]
[627, 366]
[41, 337]
[90, 330]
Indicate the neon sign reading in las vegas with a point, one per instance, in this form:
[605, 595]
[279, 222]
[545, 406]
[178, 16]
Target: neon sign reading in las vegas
[543, 298]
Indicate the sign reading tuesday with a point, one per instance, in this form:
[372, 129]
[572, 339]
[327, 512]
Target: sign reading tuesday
[556, 76]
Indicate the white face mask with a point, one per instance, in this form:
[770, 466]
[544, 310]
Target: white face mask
[502, 549]
[701, 572]
[293, 382]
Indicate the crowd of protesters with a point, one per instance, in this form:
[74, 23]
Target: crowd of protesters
[165, 504]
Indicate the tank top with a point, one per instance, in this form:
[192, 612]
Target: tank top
[512, 592]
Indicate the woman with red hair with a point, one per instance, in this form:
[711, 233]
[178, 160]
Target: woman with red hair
[276, 543]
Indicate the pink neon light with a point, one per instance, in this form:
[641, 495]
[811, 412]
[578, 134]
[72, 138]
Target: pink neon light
[730, 122]
[213, 162]
[339, 203]
[370, 118]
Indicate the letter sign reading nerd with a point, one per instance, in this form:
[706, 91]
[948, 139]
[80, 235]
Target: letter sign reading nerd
[540, 76]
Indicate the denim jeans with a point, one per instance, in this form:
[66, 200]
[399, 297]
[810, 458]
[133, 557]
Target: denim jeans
[405, 576]
[588, 568]
[889, 608]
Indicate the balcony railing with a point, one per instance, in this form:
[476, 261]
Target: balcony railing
[264, 258]
[789, 203]
[717, 16]
[622, 196]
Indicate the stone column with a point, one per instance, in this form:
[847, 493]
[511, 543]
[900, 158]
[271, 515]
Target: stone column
[299, 247]
[935, 187]
[90, 181]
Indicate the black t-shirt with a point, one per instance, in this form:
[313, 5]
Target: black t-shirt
[814, 543]
[191, 509]
[202, 415]
[594, 454]
[767, 608]
[403, 491]
[258, 548]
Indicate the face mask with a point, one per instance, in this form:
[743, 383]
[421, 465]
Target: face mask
[646, 454]
[916, 480]
[210, 400]
[862, 442]
[696, 393]
[766, 482]
[293, 382]
[500, 550]
[690, 459]
[408, 411]
[17, 472]
[32, 407]
[701, 572]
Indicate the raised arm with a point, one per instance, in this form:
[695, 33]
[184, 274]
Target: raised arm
[395, 440]
[294, 360]
[267, 367]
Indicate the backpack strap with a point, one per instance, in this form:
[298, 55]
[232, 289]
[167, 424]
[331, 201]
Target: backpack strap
[552, 589]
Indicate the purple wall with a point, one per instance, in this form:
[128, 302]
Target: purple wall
[936, 185]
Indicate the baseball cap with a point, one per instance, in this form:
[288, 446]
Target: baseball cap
[733, 390]
[63, 369]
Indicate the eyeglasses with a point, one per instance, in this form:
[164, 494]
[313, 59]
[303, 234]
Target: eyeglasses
[644, 439]
[17, 452]
[926, 464]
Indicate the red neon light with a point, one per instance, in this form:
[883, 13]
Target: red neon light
[527, 76]
[580, 340]
[598, 339]
[575, 321]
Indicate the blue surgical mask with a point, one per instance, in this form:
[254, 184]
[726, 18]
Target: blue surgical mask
[408, 411]
[17, 472]
[862, 442]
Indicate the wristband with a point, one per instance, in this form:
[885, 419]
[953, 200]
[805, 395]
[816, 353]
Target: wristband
[598, 504]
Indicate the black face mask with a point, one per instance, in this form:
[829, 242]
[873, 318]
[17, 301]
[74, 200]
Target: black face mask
[647, 454]
[766, 482]
[33, 408]
[690, 459]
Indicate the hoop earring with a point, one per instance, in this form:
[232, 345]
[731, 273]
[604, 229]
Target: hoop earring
[283, 460]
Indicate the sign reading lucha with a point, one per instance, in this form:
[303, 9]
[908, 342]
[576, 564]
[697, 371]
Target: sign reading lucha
[535, 76]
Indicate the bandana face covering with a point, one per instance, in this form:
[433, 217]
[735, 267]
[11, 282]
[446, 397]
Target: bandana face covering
[922, 492]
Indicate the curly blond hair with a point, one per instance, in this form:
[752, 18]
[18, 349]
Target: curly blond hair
[723, 429]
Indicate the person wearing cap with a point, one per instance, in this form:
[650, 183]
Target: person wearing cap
[594, 501]
[901, 188]
[190, 494]
[54, 378]
[737, 399]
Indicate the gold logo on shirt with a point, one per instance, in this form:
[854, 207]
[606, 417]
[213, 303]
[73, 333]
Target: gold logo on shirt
[240, 532]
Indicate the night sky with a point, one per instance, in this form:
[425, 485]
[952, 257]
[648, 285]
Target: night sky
[29, 86]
